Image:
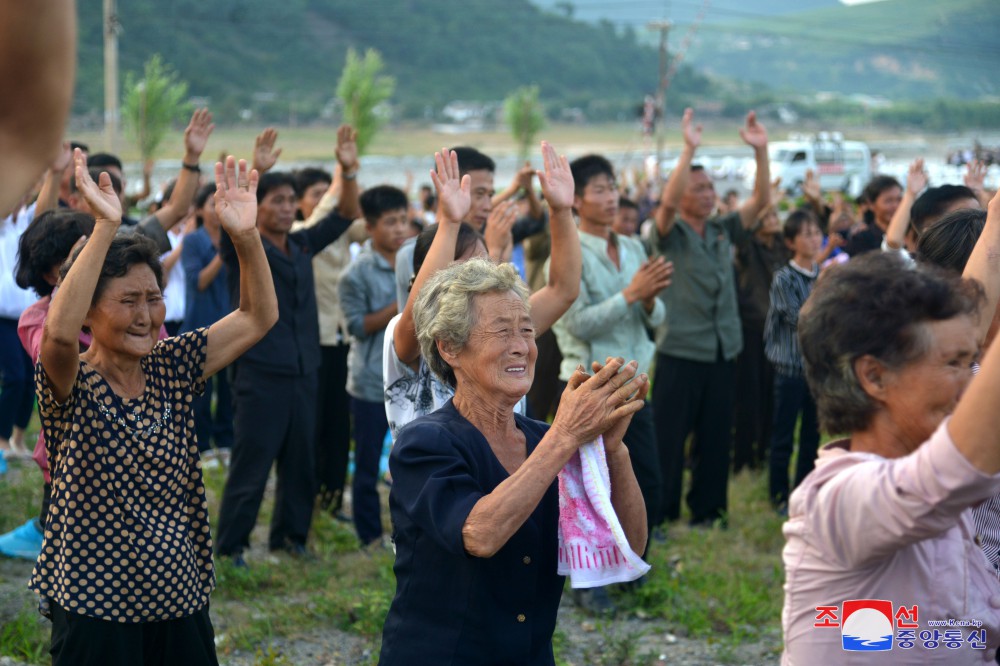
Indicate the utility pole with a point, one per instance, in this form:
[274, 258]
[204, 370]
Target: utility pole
[661, 90]
[111, 29]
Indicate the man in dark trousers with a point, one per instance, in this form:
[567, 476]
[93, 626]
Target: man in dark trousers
[274, 383]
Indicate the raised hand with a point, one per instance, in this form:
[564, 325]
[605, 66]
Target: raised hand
[753, 133]
[593, 405]
[522, 179]
[347, 148]
[916, 177]
[615, 435]
[236, 196]
[100, 196]
[778, 193]
[264, 154]
[64, 158]
[691, 132]
[499, 239]
[453, 191]
[557, 179]
[975, 176]
[196, 134]
[810, 188]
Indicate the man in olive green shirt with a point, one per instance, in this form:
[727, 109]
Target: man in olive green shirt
[697, 348]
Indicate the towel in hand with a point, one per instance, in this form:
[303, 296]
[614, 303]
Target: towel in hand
[593, 550]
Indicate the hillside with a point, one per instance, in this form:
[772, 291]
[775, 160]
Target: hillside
[638, 12]
[283, 59]
[899, 49]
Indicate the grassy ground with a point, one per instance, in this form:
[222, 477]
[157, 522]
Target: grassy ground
[723, 587]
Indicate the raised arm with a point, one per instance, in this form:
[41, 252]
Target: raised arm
[555, 298]
[48, 196]
[236, 206]
[975, 179]
[590, 406]
[265, 156]
[37, 67]
[60, 354]
[755, 136]
[349, 205]
[666, 213]
[916, 181]
[984, 266]
[195, 139]
[454, 201]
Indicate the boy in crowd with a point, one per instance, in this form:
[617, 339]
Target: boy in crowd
[616, 308]
[790, 288]
[368, 299]
[627, 219]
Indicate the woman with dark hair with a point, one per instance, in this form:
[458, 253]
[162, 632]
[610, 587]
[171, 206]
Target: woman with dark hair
[126, 567]
[887, 512]
[882, 196]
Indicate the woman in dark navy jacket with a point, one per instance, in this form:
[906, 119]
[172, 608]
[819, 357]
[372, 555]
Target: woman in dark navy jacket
[474, 500]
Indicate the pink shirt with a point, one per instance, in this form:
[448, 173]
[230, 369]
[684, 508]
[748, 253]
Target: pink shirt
[866, 527]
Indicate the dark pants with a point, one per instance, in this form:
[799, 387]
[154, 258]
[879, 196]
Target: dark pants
[546, 389]
[333, 426]
[640, 438]
[220, 426]
[78, 640]
[754, 403]
[791, 398]
[370, 426]
[275, 421]
[17, 386]
[690, 396]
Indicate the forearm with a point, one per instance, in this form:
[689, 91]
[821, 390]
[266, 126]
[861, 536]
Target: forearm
[667, 210]
[48, 196]
[984, 266]
[177, 206]
[565, 268]
[626, 498]
[208, 274]
[761, 195]
[590, 321]
[378, 320]
[496, 517]
[895, 234]
[440, 255]
[534, 205]
[258, 302]
[171, 259]
[349, 205]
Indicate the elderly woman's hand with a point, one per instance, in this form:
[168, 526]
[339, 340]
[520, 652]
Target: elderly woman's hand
[100, 196]
[601, 404]
[615, 435]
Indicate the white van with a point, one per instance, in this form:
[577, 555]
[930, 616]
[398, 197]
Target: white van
[840, 165]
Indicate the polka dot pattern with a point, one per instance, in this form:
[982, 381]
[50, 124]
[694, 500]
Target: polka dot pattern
[127, 536]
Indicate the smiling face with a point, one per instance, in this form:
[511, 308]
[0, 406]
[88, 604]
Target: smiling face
[922, 393]
[126, 318]
[499, 357]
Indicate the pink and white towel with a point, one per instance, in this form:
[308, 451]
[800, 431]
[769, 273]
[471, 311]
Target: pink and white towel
[593, 550]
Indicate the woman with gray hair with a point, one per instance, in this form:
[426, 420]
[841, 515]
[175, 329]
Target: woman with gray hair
[881, 541]
[474, 500]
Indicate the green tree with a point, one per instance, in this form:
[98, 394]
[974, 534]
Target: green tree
[362, 88]
[151, 104]
[525, 117]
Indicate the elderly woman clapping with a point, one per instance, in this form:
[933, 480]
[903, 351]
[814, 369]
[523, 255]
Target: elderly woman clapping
[126, 564]
[473, 501]
[886, 514]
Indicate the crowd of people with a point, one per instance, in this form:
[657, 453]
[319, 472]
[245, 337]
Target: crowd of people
[276, 320]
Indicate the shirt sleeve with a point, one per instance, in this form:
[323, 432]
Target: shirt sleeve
[875, 508]
[324, 232]
[184, 355]
[433, 484]
[352, 300]
[784, 305]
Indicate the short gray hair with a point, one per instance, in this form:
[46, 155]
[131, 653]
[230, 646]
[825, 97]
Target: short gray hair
[444, 308]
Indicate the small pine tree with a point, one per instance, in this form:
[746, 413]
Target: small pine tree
[152, 104]
[525, 117]
[361, 89]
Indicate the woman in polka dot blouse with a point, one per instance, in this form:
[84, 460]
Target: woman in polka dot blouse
[126, 567]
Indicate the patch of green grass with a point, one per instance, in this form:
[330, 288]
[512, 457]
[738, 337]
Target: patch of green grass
[25, 636]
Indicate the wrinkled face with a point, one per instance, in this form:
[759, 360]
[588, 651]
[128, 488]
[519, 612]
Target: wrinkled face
[698, 200]
[127, 317]
[276, 211]
[389, 230]
[885, 205]
[499, 358]
[599, 202]
[482, 197]
[626, 222]
[922, 393]
[310, 198]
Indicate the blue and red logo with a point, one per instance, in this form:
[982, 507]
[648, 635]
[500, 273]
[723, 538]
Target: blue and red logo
[867, 625]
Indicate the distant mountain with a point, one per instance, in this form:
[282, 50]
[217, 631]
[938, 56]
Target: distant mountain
[898, 49]
[638, 12]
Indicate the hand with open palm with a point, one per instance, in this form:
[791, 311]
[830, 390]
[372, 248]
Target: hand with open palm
[557, 179]
[100, 196]
[236, 197]
[454, 191]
